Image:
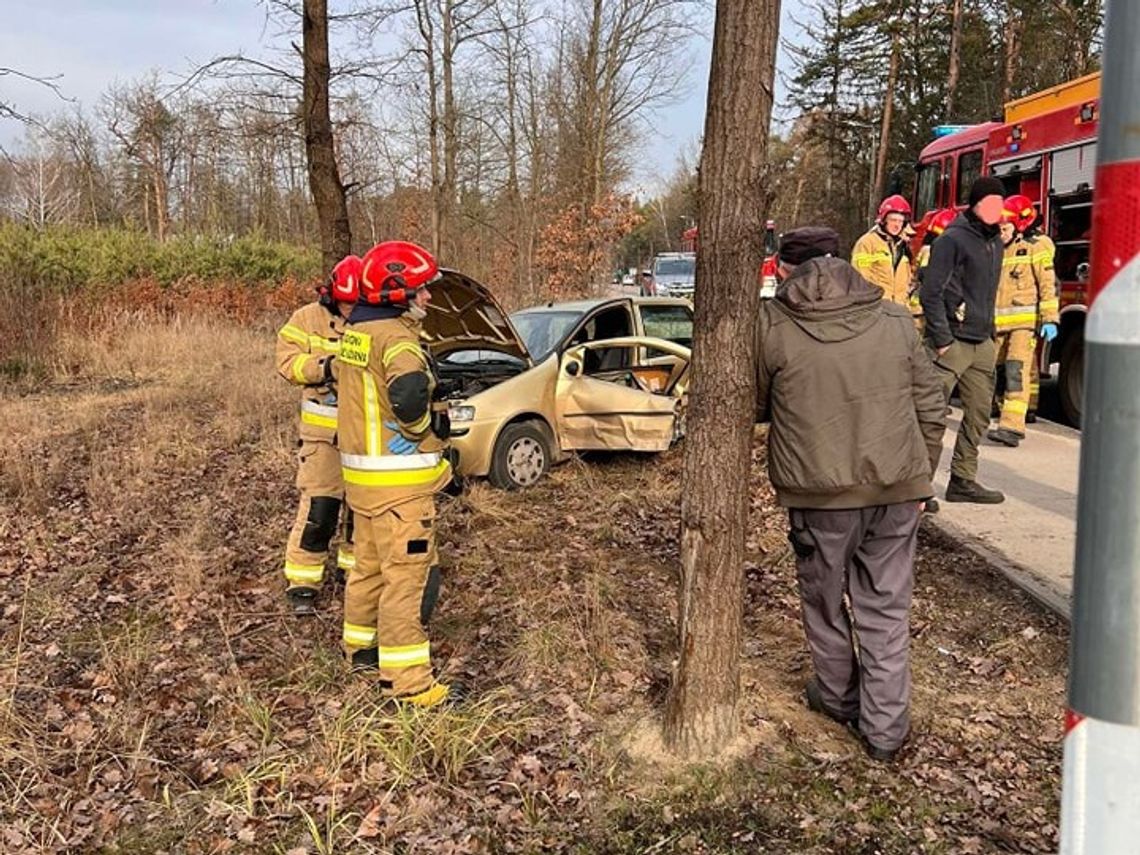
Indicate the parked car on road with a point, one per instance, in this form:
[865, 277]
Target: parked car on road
[675, 274]
[526, 391]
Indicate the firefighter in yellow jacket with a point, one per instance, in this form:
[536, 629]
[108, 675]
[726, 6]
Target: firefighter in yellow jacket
[306, 346]
[938, 224]
[393, 462]
[882, 255]
[1027, 308]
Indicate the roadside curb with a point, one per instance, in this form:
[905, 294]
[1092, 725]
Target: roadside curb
[1023, 577]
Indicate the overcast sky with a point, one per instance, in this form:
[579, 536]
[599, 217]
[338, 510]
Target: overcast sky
[93, 43]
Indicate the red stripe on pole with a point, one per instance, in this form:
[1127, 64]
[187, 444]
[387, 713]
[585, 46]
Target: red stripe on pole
[1072, 719]
[1116, 222]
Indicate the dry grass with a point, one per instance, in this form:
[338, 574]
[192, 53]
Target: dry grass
[157, 697]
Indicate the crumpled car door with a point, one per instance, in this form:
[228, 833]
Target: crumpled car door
[633, 408]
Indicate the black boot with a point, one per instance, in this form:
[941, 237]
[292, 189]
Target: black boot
[1005, 436]
[302, 601]
[815, 704]
[931, 506]
[1031, 417]
[961, 490]
[364, 661]
[883, 755]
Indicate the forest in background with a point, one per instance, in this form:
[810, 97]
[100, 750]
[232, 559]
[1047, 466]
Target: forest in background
[503, 133]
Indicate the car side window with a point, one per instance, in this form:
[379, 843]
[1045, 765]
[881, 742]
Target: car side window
[672, 323]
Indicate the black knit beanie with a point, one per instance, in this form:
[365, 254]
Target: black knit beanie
[983, 187]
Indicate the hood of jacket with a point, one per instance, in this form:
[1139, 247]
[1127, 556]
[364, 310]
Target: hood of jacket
[829, 300]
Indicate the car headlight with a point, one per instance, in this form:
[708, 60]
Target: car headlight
[462, 413]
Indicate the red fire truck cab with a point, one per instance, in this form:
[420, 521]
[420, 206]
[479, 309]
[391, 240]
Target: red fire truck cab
[1046, 150]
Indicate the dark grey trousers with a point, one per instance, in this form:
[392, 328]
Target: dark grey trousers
[861, 656]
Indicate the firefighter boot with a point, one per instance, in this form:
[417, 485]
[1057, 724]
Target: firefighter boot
[961, 490]
[1005, 436]
[930, 506]
[435, 695]
[302, 600]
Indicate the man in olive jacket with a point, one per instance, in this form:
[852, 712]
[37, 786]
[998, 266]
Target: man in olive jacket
[857, 415]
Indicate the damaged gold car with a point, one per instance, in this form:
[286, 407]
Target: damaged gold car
[580, 377]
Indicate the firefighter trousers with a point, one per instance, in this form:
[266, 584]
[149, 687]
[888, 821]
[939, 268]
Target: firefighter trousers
[970, 367]
[1015, 357]
[391, 593]
[860, 653]
[318, 516]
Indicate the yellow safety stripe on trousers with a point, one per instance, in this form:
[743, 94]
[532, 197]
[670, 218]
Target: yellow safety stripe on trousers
[345, 560]
[1016, 407]
[403, 347]
[318, 415]
[294, 334]
[866, 259]
[300, 573]
[327, 345]
[406, 656]
[1027, 319]
[299, 367]
[356, 635]
[371, 415]
[1049, 305]
[394, 478]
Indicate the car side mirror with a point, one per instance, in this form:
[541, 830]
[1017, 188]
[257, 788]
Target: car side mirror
[573, 368]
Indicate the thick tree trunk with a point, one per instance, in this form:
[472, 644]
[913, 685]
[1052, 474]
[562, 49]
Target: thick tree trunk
[955, 70]
[324, 177]
[701, 715]
[888, 113]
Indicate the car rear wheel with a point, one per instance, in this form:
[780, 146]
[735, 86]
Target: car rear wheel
[521, 457]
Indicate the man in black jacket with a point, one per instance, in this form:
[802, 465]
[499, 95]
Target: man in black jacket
[959, 289]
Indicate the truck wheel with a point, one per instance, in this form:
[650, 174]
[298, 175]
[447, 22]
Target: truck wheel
[1071, 378]
[521, 457]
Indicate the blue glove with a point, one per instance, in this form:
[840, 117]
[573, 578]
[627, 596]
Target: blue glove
[399, 444]
[1048, 332]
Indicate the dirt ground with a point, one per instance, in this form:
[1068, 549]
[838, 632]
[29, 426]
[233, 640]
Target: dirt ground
[158, 698]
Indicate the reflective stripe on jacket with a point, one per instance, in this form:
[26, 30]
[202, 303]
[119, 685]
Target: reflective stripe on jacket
[309, 339]
[1027, 295]
[884, 261]
[374, 354]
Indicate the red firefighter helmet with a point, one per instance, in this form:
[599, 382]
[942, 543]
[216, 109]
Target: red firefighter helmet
[344, 283]
[894, 205]
[1019, 210]
[393, 271]
[941, 220]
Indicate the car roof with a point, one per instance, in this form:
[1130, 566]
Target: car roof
[583, 306]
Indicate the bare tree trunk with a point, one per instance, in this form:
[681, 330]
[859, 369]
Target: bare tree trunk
[324, 177]
[955, 70]
[888, 113]
[701, 715]
[1014, 29]
[450, 129]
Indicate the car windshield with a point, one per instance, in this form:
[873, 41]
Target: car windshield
[674, 267]
[542, 331]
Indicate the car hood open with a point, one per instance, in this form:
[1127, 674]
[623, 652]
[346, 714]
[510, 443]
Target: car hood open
[464, 315]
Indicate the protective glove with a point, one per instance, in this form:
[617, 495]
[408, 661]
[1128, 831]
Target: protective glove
[441, 424]
[399, 444]
[329, 376]
[1048, 332]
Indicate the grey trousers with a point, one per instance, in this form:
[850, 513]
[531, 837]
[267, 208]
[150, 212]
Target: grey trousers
[869, 555]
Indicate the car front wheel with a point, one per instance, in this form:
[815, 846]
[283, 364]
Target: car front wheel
[521, 457]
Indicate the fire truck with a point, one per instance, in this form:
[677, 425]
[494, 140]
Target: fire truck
[768, 281]
[1044, 148]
